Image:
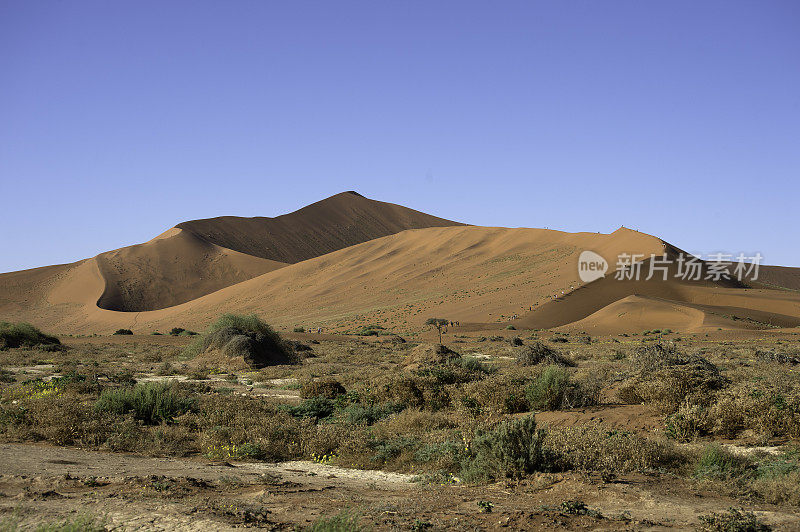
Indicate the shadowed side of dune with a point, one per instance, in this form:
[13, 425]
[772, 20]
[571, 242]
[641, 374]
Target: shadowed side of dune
[334, 223]
[173, 268]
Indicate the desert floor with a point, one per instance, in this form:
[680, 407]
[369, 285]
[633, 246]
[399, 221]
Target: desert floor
[62, 462]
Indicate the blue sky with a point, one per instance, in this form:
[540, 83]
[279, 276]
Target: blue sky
[120, 119]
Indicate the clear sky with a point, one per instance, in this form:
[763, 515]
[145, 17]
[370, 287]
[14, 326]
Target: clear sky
[120, 119]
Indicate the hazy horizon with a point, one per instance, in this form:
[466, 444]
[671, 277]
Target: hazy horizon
[677, 119]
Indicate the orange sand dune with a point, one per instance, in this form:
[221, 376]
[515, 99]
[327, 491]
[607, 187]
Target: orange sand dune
[465, 273]
[334, 223]
[596, 304]
[345, 262]
[640, 313]
[199, 257]
[173, 268]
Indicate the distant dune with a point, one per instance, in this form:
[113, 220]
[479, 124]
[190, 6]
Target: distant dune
[348, 261]
[198, 257]
[343, 220]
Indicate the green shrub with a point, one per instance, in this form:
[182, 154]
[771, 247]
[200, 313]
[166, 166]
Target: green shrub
[370, 330]
[151, 402]
[314, 407]
[547, 392]
[122, 332]
[510, 328]
[513, 449]
[474, 365]
[717, 463]
[456, 371]
[357, 414]
[24, 335]
[554, 389]
[299, 329]
[176, 331]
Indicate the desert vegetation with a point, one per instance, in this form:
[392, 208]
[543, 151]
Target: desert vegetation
[475, 413]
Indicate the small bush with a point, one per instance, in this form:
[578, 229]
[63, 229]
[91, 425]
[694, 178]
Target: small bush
[176, 331]
[515, 448]
[688, 422]
[537, 353]
[732, 520]
[610, 452]
[370, 330]
[314, 407]
[358, 414]
[152, 402]
[299, 329]
[554, 389]
[667, 380]
[122, 332]
[719, 464]
[510, 328]
[652, 357]
[499, 394]
[24, 335]
[247, 337]
[547, 392]
[327, 388]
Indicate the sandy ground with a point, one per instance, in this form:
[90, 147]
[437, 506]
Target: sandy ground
[40, 483]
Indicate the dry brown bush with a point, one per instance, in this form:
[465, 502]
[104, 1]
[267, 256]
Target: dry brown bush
[328, 388]
[593, 448]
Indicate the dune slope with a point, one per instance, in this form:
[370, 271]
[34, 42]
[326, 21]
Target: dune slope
[199, 257]
[334, 223]
[465, 273]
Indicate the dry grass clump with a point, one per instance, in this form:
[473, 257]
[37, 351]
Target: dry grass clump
[13, 335]
[732, 520]
[503, 393]
[539, 353]
[769, 407]
[245, 339]
[649, 358]
[792, 358]
[430, 355]
[152, 403]
[667, 379]
[414, 391]
[610, 452]
[327, 388]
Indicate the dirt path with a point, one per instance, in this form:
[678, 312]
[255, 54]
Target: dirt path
[42, 483]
